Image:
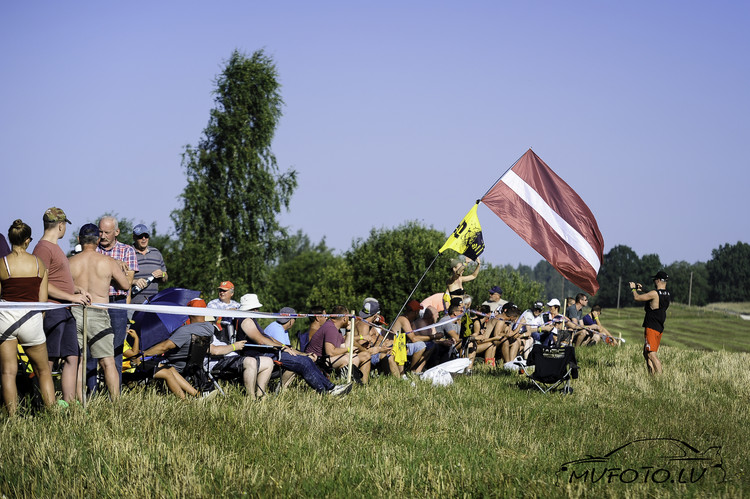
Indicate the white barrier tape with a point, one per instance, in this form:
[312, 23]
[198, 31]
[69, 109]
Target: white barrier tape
[164, 309]
[31, 305]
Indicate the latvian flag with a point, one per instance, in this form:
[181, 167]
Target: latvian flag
[541, 208]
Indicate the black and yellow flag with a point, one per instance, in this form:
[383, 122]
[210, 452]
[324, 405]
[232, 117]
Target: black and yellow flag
[467, 238]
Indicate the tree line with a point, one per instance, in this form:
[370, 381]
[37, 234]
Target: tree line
[226, 227]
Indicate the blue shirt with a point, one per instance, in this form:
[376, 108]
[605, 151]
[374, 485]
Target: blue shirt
[278, 333]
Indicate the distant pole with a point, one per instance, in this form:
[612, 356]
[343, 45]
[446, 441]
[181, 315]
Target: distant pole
[562, 290]
[619, 288]
[690, 289]
[352, 326]
[83, 358]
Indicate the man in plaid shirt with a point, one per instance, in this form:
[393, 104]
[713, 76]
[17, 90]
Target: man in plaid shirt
[110, 246]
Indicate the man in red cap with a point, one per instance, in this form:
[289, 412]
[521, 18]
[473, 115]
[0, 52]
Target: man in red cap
[225, 301]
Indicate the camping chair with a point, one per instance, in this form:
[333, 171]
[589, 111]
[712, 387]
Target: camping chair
[552, 367]
[195, 371]
[304, 339]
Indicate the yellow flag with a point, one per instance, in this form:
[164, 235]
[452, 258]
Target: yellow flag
[467, 238]
[399, 349]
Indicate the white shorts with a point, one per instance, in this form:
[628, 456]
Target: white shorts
[22, 325]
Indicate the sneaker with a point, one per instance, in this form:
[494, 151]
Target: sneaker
[340, 390]
[209, 395]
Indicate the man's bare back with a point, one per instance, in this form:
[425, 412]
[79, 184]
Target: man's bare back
[94, 272]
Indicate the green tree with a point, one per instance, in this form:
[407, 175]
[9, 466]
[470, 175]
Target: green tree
[300, 268]
[516, 287]
[679, 282]
[555, 285]
[729, 273]
[620, 262]
[650, 265]
[335, 286]
[227, 226]
[388, 265]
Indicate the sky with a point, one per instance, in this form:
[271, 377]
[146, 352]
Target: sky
[394, 111]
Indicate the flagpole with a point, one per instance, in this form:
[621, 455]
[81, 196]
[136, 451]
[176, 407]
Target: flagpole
[410, 295]
[501, 176]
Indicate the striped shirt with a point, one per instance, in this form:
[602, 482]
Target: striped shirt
[147, 264]
[124, 253]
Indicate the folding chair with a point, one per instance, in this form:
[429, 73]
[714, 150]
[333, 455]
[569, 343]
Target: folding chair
[195, 370]
[552, 367]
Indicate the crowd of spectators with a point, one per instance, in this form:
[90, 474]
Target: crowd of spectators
[106, 271]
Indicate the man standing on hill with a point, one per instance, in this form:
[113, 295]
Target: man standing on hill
[109, 229]
[657, 302]
[150, 266]
[93, 273]
[59, 324]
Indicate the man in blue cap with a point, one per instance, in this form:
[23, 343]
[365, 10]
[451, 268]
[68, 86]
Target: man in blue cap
[151, 268]
[496, 301]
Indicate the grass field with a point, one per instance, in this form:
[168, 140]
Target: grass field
[488, 434]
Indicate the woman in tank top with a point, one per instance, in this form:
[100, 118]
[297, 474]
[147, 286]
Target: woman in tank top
[23, 278]
[457, 279]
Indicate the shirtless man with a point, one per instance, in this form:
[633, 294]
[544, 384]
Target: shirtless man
[416, 343]
[506, 327]
[93, 272]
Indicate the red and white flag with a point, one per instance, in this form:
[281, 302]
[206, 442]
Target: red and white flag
[541, 208]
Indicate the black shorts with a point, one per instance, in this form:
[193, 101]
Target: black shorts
[229, 367]
[61, 332]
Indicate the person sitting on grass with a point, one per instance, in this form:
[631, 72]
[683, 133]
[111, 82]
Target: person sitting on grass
[416, 347]
[167, 359]
[533, 321]
[485, 342]
[593, 323]
[291, 359]
[367, 334]
[227, 361]
[506, 329]
[447, 331]
[332, 350]
[547, 335]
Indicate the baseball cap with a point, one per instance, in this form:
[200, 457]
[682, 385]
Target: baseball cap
[286, 310]
[554, 302]
[226, 285]
[140, 229]
[197, 302]
[538, 305]
[55, 215]
[496, 289]
[88, 230]
[414, 306]
[660, 275]
[370, 308]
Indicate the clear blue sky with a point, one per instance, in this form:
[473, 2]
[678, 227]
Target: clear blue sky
[394, 111]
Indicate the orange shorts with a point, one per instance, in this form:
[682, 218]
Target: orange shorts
[653, 339]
